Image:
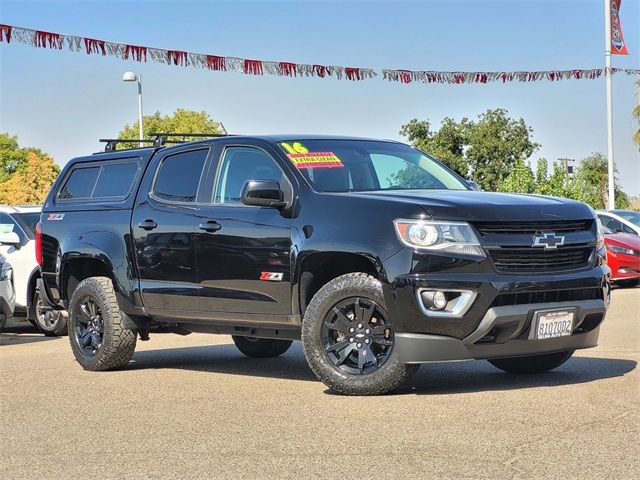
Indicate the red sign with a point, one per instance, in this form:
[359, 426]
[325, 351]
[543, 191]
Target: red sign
[618, 47]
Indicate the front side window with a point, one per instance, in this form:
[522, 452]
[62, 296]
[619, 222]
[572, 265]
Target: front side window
[361, 165]
[179, 175]
[240, 164]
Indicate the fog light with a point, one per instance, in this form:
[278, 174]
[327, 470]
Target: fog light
[439, 300]
[435, 300]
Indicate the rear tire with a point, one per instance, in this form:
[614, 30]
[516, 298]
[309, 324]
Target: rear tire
[52, 323]
[532, 364]
[348, 338]
[261, 347]
[97, 334]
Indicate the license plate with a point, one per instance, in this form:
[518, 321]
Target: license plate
[554, 323]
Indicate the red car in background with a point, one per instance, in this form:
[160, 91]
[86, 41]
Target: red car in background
[623, 257]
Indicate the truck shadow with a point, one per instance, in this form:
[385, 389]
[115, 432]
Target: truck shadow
[432, 379]
[480, 376]
[19, 331]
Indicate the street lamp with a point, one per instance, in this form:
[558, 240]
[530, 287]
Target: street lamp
[132, 77]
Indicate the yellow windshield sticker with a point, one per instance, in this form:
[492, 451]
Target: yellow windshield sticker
[315, 160]
[295, 147]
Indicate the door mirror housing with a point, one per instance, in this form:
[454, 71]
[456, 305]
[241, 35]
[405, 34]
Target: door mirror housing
[262, 193]
[10, 238]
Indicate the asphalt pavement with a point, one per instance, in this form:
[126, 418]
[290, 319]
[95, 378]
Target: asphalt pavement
[194, 407]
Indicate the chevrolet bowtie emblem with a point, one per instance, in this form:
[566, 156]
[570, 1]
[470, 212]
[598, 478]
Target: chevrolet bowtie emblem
[548, 240]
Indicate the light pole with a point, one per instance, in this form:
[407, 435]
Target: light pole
[132, 77]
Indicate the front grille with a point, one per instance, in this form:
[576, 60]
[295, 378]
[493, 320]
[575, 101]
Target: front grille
[509, 228]
[548, 296]
[531, 259]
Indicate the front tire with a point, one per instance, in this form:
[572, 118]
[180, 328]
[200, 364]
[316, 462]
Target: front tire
[53, 323]
[261, 347]
[97, 334]
[532, 364]
[348, 338]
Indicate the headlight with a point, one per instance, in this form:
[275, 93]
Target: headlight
[6, 274]
[600, 234]
[616, 249]
[454, 237]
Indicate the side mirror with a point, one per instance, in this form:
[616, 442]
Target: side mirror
[473, 185]
[262, 193]
[9, 238]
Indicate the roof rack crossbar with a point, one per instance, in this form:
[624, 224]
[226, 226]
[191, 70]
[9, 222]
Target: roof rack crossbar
[158, 140]
[162, 138]
[112, 142]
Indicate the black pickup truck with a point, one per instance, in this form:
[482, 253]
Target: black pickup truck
[376, 256]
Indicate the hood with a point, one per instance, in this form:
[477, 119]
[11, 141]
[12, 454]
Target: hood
[469, 205]
[623, 240]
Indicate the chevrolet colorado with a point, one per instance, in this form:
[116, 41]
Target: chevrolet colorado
[376, 256]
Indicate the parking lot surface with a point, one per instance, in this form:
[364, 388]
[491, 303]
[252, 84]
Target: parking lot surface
[194, 407]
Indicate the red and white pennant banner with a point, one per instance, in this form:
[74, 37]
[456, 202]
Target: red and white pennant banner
[139, 53]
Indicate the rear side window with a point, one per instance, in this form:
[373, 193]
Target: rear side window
[80, 183]
[115, 180]
[106, 180]
[179, 175]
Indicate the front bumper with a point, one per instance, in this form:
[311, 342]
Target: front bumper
[7, 299]
[505, 332]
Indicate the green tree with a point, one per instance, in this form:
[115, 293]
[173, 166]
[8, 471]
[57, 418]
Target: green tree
[495, 143]
[636, 113]
[12, 156]
[519, 180]
[181, 121]
[487, 148]
[31, 183]
[445, 144]
[590, 183]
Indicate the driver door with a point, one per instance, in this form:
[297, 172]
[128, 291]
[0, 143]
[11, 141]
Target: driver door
[244, 264]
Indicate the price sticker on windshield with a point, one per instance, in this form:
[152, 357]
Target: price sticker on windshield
[301, 157]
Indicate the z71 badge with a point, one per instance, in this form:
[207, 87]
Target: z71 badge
[55, 216]
[271, 276]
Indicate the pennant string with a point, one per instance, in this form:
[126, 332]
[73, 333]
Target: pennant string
[57, 41]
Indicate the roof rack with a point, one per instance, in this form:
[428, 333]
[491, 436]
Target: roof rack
[158, 140]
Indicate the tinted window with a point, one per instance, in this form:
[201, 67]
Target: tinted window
[80, 183]
[611, 223]
[354, 165]
[8, 224]
[239, 165]
[115, 180]
[30, 220]
[179, 176]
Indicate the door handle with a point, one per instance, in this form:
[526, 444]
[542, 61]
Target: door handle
[210, 226]
[147, 225]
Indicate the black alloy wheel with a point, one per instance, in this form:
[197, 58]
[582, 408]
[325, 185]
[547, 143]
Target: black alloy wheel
[89, 328]
[357, 336]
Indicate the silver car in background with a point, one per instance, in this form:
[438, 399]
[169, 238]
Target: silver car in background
[7, 292]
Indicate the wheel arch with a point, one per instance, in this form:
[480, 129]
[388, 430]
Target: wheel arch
[316, 269]
[31, 291]
[76, 269]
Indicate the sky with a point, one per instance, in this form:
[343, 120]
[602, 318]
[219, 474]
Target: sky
[62, 102]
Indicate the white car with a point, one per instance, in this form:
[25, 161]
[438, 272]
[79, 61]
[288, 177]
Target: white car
[7, 294]
[17, 244]
[620, 221]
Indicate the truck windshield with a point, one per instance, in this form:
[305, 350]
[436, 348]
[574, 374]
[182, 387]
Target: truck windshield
[355, 166]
